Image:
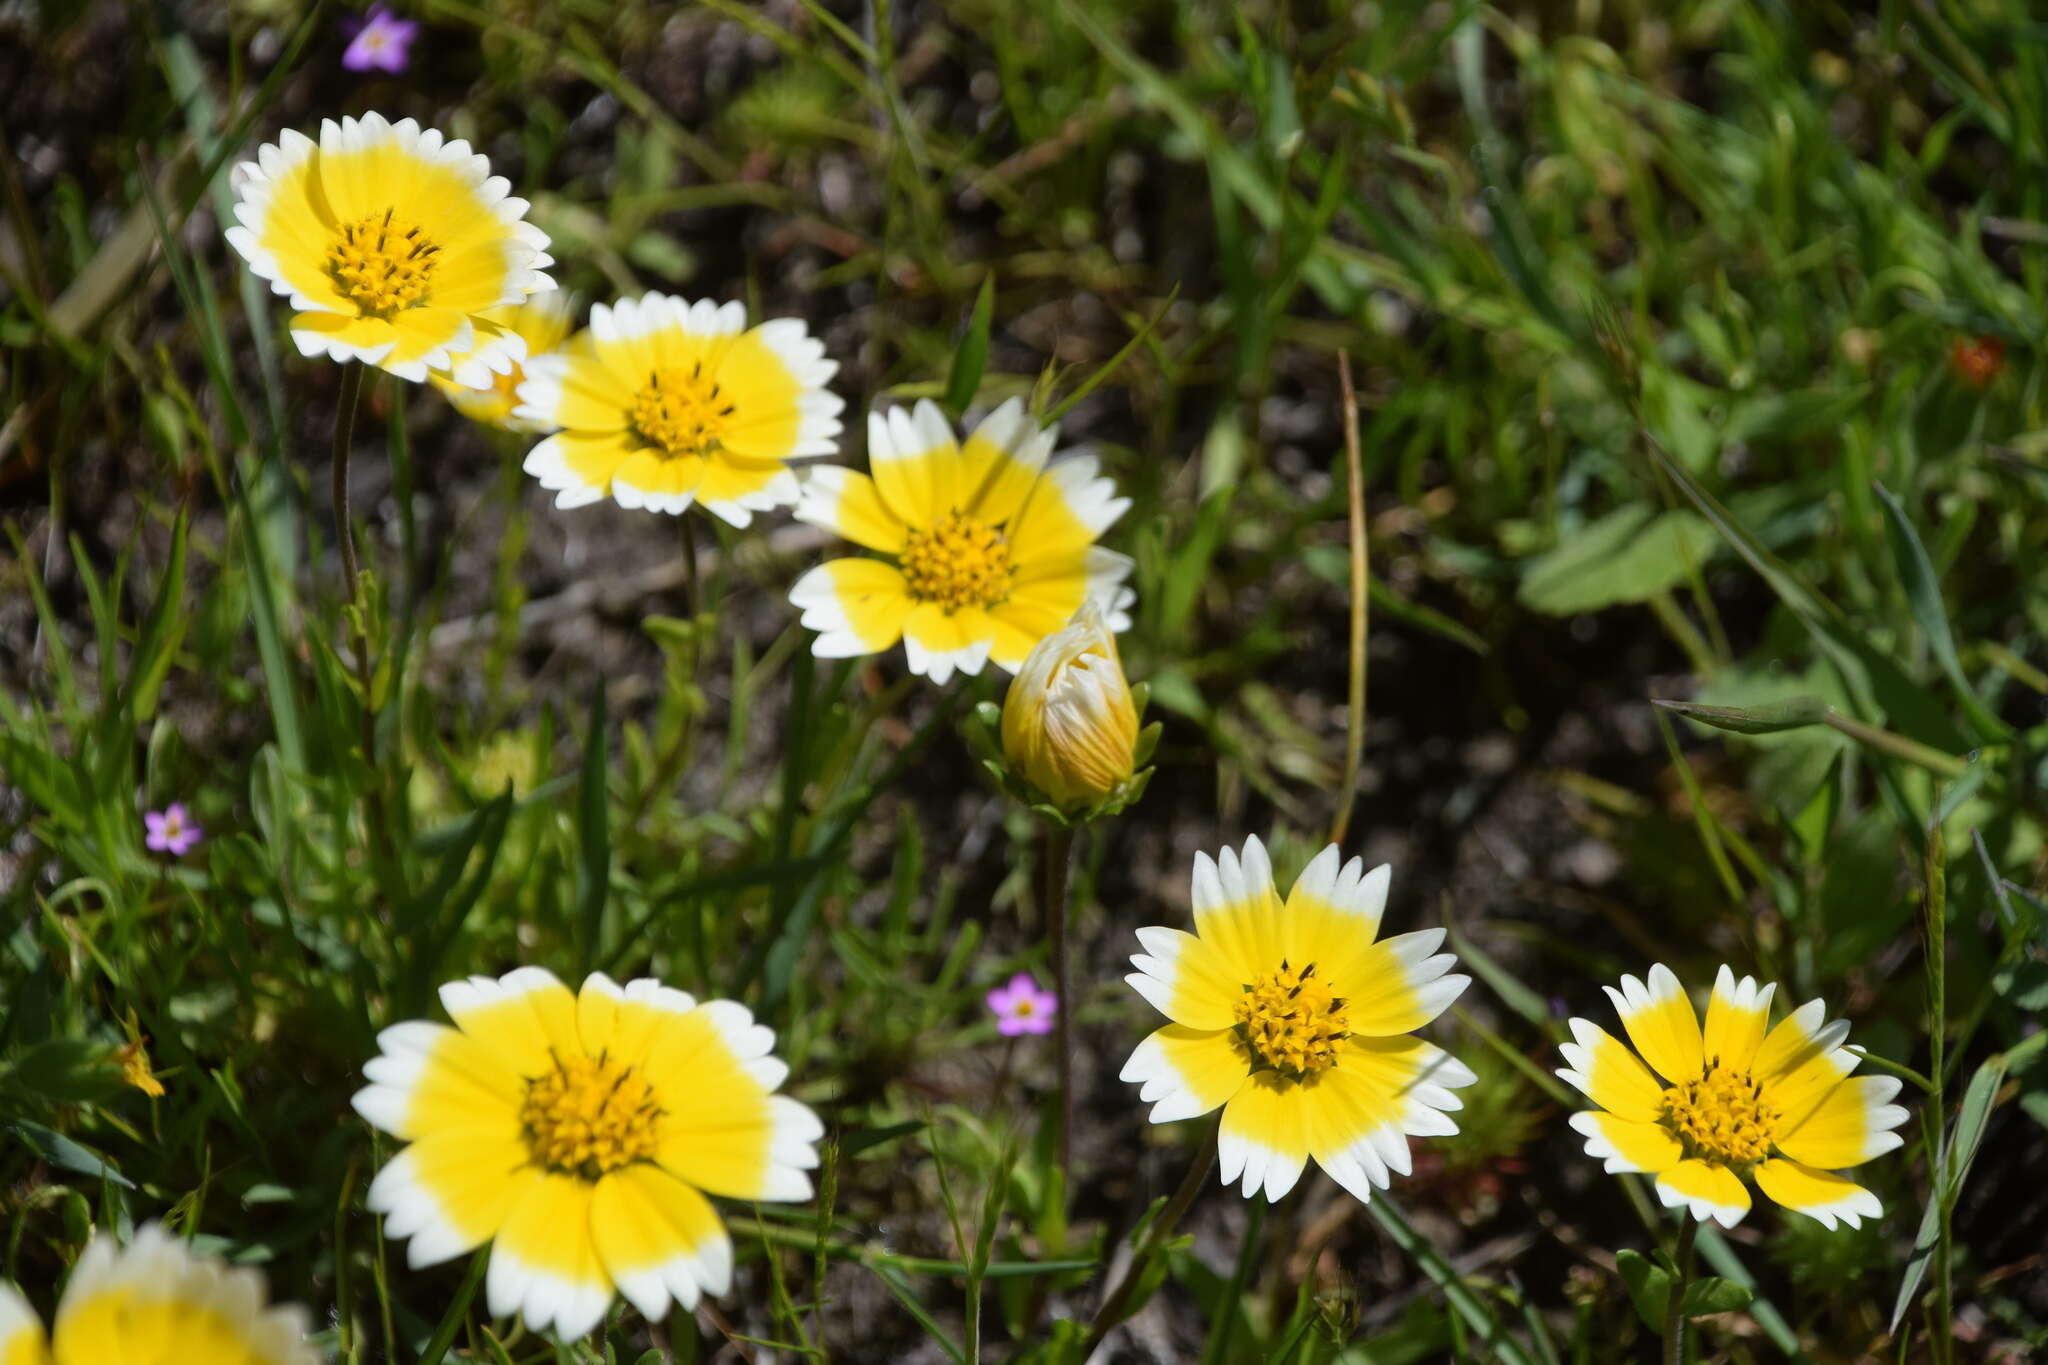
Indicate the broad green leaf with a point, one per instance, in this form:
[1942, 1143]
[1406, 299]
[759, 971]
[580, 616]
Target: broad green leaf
[1952, 1167]
[963, 381]
[1713, 1295]
[1649, 1287]
[1629, 555]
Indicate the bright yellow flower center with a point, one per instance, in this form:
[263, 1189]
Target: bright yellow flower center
[589, 1116]
[682, 411]
[1291, 1021]
[382, 264]
[960, 562]
[1723, 1116]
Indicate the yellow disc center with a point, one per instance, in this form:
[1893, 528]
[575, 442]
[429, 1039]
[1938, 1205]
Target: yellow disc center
[682, 411]
[382, 264]
[1723, 1116]
[589, 1116]
[959, 562]
[1292, 1020]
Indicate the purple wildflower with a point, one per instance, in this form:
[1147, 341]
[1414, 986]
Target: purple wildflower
[380, 42]
[171, 830]
[1020, 1007]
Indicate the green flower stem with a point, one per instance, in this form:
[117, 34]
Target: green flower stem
[1674, 1309]
[1058, 855]
[344, 438]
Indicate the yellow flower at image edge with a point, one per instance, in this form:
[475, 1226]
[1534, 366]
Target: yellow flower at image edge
[1070, 727]
[579, 1134]
[155, 1300]
[527, 331]
[1293, 1018]
[392, 242]
[989, 548]
[663, 403]
[1733, 1102]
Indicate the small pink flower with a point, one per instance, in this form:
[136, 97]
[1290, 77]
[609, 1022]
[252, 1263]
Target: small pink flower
[1021, 1007]
[380, 43]
[171, 830]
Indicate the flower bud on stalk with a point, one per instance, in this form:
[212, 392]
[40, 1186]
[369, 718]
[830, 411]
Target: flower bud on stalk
[1070, 726]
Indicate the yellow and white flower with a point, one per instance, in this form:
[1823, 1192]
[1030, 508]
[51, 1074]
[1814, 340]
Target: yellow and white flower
[484, 383]
[154, 1300]
[579, 1133]
[1733, 1103]
[662, 403]
[392, 242]
[1293, 1018]
[989, 549]
[1070, 726]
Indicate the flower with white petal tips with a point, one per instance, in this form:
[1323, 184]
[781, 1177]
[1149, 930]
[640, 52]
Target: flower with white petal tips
[1293, 1018]
[1733, 1102]
[662, 403]
[483, 383]
[988, 549]
[579, 1134]
[391, 241]
[154, 1299]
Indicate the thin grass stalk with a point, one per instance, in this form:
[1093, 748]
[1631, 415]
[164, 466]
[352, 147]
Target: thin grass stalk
[1117, 1303]
[1674, 1307]
[1218, 1349]
[344, 437]
[1361, 582]
[1058, 856]
[1935, 905]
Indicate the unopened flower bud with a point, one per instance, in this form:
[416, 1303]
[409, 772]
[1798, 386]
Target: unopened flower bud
[1070, 728]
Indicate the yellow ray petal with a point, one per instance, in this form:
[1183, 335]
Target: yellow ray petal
[524, 1019]
[544, 1265]
[857, 606]
[21, 1332]
[1735, 1020]
[1237, 909]
[1661, 1023]
[1820, 1195]
[1609, 1074]
[1264, 1136]
[721, 1129]
[1398, 984]
[1066, 508]
[1184, 1072]
[1626, 1144]
[450, 1192]
[915, 463]
[1708, 1191]
[1852, 1123]
[1187, 979]
[659, 1240]
[849, 505]
[1000, 461]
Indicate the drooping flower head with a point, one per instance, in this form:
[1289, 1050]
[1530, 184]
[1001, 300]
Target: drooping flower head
[483, 383]
[988, 549]
[1715, 1109]
[390, 240]
[154, 1300]
[1070, 726]
[381, 42]
[1020, 1007]
[579, 1134]
[1299, 1023]
[662, 403]
[170, 830]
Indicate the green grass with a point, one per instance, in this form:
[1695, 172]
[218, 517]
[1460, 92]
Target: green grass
[1651, 308]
